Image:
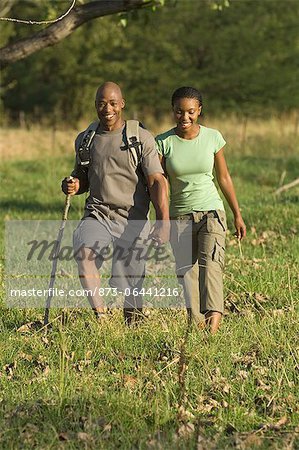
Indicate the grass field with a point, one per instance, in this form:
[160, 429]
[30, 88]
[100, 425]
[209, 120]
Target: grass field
[161, 385]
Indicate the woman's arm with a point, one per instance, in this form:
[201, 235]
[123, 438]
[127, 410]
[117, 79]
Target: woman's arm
[228, 190]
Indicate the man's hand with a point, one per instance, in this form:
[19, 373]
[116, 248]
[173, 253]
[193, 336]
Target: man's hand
[240, 228]
[160, 232]
[70, 185]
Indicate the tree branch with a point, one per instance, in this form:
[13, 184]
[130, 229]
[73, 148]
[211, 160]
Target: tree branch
[59, 30]
[40, 22]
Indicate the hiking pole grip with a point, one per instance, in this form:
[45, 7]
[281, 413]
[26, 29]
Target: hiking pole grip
[67, 202]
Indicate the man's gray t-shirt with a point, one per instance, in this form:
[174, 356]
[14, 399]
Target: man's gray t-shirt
[117, 188]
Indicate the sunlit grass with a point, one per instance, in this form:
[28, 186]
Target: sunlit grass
[85, 385]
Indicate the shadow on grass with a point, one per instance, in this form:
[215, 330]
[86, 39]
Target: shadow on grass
[79, 422]
[288, 198]
[95, 423]
[264, 171]
[33, 206]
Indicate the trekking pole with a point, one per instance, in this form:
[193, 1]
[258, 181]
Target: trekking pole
[56, 254]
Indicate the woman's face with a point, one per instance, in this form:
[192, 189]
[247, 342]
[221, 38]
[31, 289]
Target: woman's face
[186, 112]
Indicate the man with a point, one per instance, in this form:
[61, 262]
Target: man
[120, 193]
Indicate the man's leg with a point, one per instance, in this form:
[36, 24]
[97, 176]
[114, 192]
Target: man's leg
[90, 279]
[133, 306]
[90, 239]
[128, 269]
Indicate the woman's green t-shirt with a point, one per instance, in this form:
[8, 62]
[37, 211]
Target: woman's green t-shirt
[189, 165]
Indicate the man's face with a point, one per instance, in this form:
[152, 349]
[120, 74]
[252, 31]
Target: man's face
[109, 105]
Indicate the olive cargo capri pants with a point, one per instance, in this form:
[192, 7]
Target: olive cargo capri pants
[200, 273]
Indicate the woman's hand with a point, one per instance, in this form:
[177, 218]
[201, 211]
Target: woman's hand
[240, 228]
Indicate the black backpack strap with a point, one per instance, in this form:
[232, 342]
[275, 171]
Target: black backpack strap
[84, 148]
[132, 140]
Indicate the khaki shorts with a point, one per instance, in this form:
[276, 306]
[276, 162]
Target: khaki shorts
[198, 244]
[128, 268]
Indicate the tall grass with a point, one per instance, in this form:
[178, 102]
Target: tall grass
[161, 385]
[279, 136]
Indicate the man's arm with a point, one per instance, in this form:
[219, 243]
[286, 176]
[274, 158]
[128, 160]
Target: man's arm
[157, 186]
[158, 190]
[79, 182]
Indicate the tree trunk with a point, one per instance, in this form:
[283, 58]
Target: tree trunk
[59, 30]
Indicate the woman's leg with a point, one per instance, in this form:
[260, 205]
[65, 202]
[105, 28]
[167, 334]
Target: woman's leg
[211, 243]
[184, 245]
[212, 320]
[189, 282]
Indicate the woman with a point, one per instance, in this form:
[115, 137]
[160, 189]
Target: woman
[189, 153]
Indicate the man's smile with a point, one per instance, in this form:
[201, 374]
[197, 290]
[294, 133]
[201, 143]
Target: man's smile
[109, 116]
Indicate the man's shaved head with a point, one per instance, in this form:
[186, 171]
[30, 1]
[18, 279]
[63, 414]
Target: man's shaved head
[110, 90]
[109, 104]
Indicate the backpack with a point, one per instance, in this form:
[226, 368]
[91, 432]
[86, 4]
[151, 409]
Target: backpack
[130, 138]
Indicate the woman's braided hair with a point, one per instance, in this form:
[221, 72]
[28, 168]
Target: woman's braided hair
[186, 92]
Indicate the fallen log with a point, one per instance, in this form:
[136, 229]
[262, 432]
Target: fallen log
[286, 187]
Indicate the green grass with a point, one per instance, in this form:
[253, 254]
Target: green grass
[161, 386]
